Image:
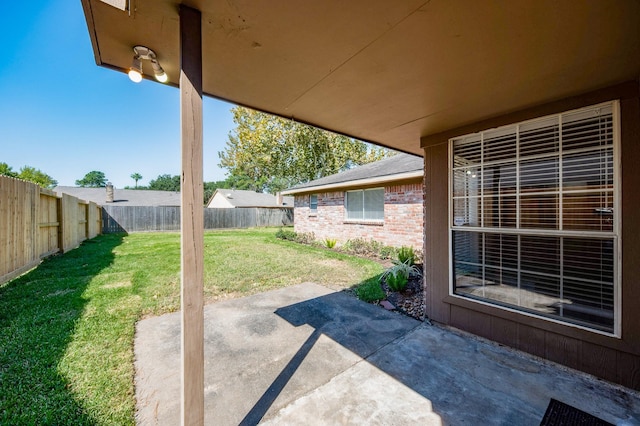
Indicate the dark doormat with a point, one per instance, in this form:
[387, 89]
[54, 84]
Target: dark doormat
[560, 414]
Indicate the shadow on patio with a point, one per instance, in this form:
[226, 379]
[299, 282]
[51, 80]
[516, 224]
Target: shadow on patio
[304, 355]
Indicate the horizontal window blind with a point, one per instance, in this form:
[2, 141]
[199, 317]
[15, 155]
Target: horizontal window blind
[532, 216]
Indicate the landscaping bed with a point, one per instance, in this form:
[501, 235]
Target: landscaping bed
[410, 301]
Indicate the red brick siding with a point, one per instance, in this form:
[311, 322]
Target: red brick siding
[402, 225]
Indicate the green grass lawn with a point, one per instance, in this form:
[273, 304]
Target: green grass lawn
[67, 327]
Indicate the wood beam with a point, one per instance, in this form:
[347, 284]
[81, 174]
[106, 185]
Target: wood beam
[191, 218]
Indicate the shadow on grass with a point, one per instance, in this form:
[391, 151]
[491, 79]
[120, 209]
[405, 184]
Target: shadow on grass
[38, 315]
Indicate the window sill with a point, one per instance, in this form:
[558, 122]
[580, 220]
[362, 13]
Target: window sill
[363, 222]
[313, 215]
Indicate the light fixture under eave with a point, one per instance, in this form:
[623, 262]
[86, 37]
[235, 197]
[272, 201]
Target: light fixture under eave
[135, 72]
[161, 76]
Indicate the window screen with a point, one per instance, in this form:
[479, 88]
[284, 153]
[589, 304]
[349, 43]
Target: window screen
[532, 216]
[365, 204]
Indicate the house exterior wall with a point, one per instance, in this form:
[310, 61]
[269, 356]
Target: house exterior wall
[402, 224]
[220, 202]
[616, 359]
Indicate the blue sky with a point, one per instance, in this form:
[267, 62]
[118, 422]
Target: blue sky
[61, 113]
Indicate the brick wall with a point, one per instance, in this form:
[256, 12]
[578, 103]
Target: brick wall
[402, 225]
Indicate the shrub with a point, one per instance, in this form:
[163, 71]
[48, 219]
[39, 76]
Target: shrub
[406, 255]
[419, 256]
[362, 247]
[286, 234]
[397, 276]
[305, 238]
[330, 242]
[397, 281]
[387, 252]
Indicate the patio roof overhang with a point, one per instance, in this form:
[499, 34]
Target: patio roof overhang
[388, 72]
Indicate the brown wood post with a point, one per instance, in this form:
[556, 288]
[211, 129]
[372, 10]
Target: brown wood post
[192, 222]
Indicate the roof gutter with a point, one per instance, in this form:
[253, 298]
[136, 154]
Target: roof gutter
[353, 183]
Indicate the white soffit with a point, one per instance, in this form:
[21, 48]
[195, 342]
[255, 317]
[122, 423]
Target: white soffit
[120, 4]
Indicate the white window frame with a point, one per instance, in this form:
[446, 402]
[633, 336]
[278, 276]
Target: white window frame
[615, 235]
[364, 209]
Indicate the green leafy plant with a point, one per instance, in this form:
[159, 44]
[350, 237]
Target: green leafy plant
[330, 242]
[406, 255]
[397, 276]
[286, 234]
[397, 281]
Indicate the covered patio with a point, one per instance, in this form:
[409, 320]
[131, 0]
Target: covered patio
[424, 77]
[309, 355]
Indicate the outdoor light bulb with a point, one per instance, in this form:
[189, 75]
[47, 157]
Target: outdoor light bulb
[161, 76]
[135, 76]
[135, 72]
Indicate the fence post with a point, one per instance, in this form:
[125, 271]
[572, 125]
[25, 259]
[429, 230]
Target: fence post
[61, 223]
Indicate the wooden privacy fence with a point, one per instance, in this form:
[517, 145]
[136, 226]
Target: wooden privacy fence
[35, 223]
[145, 219]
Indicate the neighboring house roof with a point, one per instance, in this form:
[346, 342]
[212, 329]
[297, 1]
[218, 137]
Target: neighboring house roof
[399, 167]
[123, 197]
[243, 198]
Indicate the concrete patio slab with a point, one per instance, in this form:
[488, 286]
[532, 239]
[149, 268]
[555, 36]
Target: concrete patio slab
[308, 355]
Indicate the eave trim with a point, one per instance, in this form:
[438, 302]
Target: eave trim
[355, 183]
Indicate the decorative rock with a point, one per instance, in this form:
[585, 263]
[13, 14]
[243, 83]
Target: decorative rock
[387, 305]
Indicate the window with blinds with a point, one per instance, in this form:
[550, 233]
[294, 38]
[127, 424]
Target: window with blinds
[533, 216]
[365, 204]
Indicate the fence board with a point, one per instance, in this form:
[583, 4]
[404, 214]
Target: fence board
[48, 222]
[94, 220]
[146, 219]
[35, 223]
[18, 227]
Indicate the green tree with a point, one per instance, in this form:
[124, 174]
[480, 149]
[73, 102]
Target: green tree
[136, 177]
[268, 153]
[165, 183]
[7, 170]
[37, 176]
[93, 179]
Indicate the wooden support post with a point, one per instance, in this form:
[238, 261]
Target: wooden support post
[192, 222]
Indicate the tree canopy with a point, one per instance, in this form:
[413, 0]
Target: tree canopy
[165, 183]
[268, 153]
[34, 175]
[136, 177]
[30, 174]
[172, 183]
[7, 170]
[93, 179]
